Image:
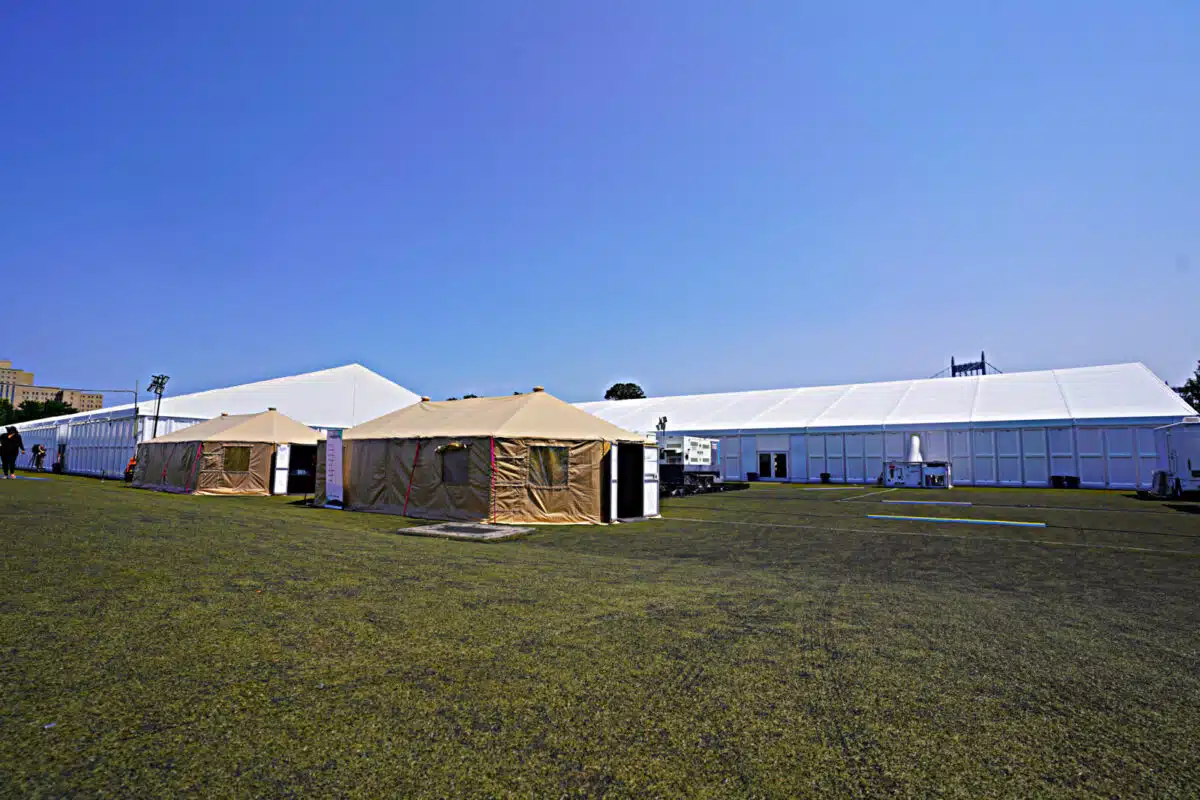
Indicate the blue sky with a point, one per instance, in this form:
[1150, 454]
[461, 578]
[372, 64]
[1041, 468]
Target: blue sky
[699, 196]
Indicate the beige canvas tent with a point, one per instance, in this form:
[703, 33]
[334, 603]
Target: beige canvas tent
[529, 458]
[230, 454]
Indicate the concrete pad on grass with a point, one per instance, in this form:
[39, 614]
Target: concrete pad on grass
[467, 531]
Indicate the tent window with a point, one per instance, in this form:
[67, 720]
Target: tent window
[237, 459]
[454, 466]
[548, 467]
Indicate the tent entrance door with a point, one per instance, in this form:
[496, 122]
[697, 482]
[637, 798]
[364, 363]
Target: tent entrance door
[772, 466]
[630, 480]
[302, 469]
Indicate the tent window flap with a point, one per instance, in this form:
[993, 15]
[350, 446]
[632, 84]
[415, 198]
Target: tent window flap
[454, 466]
[548, 467]
[237, 459]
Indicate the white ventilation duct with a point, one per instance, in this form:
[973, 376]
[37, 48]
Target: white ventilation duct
[914, 450]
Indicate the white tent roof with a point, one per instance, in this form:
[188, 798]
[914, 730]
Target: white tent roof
[331, 398]
[1119, 392]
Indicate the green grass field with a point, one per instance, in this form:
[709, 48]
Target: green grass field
[767, 642]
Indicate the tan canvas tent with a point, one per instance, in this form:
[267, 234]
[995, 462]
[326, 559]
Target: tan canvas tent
[230, 454]
[529, 458]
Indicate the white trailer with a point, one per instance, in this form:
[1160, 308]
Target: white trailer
[1178, 467]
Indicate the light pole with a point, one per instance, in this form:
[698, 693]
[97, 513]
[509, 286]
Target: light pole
[158, 384]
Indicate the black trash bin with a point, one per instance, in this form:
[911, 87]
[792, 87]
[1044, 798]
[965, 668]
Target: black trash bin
[1058, 481]
[751, 476]
[1072, 481]
[825, 476]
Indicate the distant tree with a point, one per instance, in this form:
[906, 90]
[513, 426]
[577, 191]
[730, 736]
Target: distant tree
[624, 391]
[1190, 391]
[6, 412]
[470, 396]
[515, 393]
[451, 398]
[32, 409]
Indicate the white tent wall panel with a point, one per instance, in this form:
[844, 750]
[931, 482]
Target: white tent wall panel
[894, 446]
[960, 457]
[835, 458]
[1034, 462]
[815, 444]
[856, 471]
[102, 447]
[983, 452]
[749, 454]
[798, 458]
[1008, 457]
[1062, 451]
[731, 457]
[935, 445]
[1147, 455]
[1102, 456]
[1118, 457]
[1121, 459]
[1090, 445]
[873, 455]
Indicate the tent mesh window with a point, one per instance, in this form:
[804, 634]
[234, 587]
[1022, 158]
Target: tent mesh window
[548, 467]
[237, 459]
[454, 464]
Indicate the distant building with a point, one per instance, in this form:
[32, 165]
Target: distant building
[17, 386]
[10, 379]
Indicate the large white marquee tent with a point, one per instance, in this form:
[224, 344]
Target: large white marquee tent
[1011, 429]
[102, 442]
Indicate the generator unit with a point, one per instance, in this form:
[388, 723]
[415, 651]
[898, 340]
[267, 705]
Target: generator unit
[688, 465]
[915, 472]
[920, 475]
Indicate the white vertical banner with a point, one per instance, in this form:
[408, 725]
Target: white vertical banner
[283, 455]
[650, 481]
[333, 470]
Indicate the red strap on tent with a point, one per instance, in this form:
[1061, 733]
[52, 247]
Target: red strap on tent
[192, 471]
[412, 474]
[493, 441]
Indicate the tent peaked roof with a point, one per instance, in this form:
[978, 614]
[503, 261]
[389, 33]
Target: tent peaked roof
[527, 416]
[1110, 394]
[269, 426]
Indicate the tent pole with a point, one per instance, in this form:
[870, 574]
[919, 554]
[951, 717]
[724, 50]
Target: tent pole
[492, 439]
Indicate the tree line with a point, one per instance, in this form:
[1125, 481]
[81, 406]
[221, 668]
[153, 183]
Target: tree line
[30, 410]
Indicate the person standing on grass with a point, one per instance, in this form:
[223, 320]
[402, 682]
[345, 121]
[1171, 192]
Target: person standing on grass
[10, 446]
[39, 457]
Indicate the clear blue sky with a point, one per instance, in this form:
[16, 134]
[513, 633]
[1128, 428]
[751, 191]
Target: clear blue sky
[699, 196]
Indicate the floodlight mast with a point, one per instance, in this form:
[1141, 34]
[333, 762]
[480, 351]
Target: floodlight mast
[158, 384]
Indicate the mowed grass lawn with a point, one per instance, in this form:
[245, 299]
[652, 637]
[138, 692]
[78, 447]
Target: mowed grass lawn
[769, 642]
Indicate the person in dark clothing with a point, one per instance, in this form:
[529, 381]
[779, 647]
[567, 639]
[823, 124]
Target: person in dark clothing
[10, 446]
[39, 457]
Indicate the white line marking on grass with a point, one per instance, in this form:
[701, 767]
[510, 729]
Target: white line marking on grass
[962, 521]
[926, 502]
[830, 488]
[942, 536]
[868, 494]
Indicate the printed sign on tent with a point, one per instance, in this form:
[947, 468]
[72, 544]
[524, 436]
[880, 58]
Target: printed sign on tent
[333, 470]
[283, 454]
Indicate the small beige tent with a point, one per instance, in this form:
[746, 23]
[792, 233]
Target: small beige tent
[529, 458]
[225, 455]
